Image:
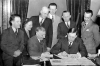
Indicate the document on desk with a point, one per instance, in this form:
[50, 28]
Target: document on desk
[85, 61]
[71, 60]
[64, 62]
[31, 65]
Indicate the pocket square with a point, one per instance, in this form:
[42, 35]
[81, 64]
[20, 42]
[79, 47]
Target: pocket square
[87, 30]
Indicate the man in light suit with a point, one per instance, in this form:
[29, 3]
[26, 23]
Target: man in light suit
[90, 33]
[12, 41]
[64, 26]
[55, 21]
[70, 45]
[42, 20]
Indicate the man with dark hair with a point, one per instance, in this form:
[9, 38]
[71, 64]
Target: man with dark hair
[90, 33]
[42, 20]
[55, 21]
[64, 26]
[70, 45]
[12, 41]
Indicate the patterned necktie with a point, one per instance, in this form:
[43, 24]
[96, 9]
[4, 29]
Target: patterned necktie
[67, 25]
[70, 43]
[41, 22]
[52, 18]
[16, 32]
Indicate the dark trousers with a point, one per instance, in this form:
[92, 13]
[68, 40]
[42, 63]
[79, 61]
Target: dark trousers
[11, 61]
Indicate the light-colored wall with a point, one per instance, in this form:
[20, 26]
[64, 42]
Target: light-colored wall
[95, 6]
[36, 5]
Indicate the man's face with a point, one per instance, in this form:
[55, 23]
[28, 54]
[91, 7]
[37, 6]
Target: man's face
[66, 16]
[71, 36]
[40, 34]
[53, 9]
[87, 17]
[16, 22]
[44, 13]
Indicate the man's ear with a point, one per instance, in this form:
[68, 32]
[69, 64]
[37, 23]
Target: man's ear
[56, 9]
[75, 36]
[70, 16]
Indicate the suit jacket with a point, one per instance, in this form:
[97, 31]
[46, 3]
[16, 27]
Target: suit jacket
[55, 23]
[26, 38]
[63, 29]
[90, 35]
[35, 47]
[77, 46]
[10, 42]
[47, 24]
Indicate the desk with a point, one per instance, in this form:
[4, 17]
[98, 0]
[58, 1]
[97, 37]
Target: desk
[57, 62]
[71, 61]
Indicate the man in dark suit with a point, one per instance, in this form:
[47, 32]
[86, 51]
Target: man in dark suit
[36, 44]
[64, 26]
[45, 22]
[70, 45]
[12, 41]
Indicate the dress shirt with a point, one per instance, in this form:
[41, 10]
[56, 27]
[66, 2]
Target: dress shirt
[67, 24]
[41, 19]
[14, 29]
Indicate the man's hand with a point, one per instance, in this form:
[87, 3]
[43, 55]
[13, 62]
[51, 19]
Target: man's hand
[48, 49]
[79, 55]
[63, 53]
[17, 53]
[35, 57]
[45, 54]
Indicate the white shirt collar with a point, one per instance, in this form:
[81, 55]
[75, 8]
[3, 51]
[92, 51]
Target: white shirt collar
[51, 16]
[71, 43]
[39, 40]
[40, 18]
[68, 23]
[14, 29]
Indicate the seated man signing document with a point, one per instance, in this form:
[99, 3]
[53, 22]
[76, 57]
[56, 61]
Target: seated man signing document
[70, 45]
[36, 45]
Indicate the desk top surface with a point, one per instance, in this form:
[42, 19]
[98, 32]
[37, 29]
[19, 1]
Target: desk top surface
[71, 61]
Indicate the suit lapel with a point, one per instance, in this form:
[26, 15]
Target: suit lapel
[86, 27]
[12, 32]
[40, 45]
[65, 42]
[65, 25]
[25, 34]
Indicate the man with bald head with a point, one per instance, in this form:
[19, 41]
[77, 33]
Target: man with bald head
[42, 20]
[64, 26]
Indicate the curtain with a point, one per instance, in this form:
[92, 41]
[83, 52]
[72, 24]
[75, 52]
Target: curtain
[13, 7]
[20, 7]
[6, 11]
[77, 9]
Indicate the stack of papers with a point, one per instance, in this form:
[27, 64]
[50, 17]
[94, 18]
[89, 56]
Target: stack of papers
[64, 62]
[85, 61]
[72, 61]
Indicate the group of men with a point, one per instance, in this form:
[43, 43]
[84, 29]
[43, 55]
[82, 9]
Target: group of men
[50, 35]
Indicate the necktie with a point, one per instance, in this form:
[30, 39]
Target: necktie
[41, 22]
[67, 25]
[52, 18]
[70, 43]
[16, 32]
